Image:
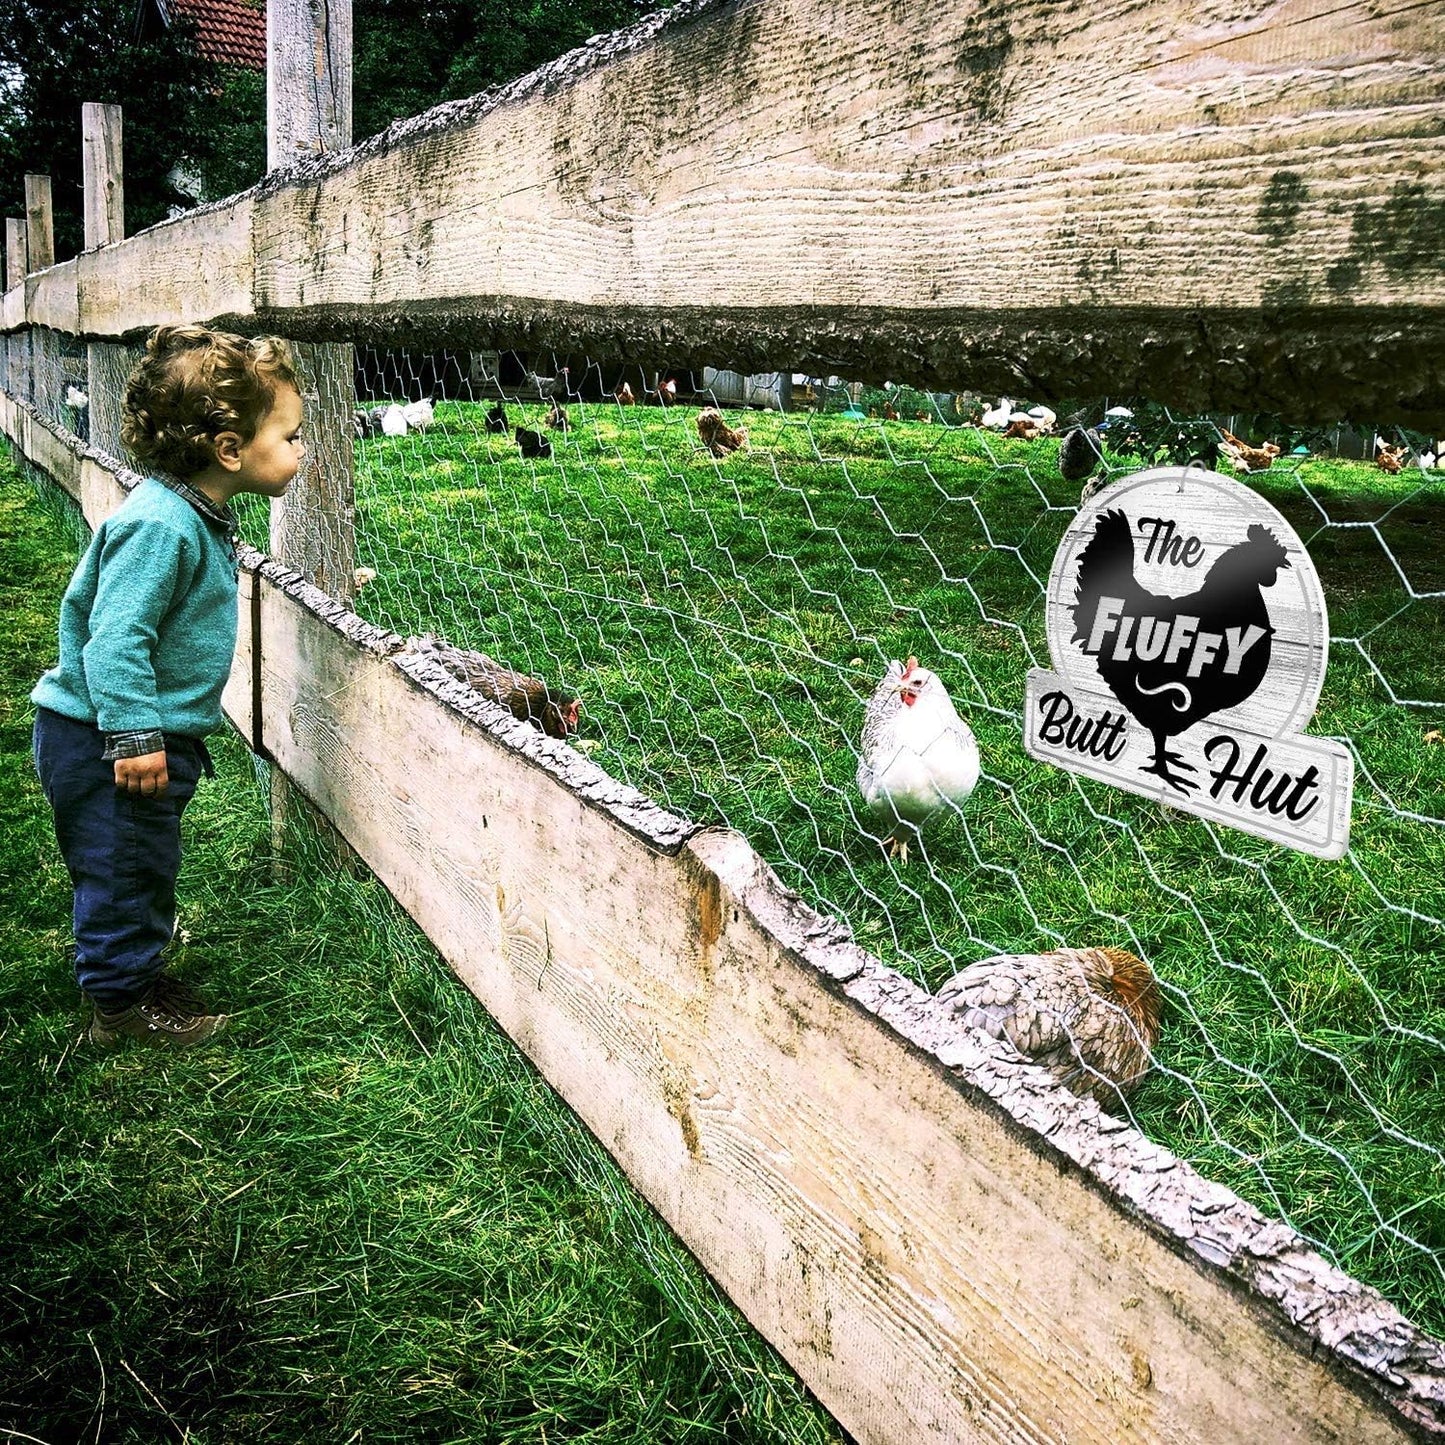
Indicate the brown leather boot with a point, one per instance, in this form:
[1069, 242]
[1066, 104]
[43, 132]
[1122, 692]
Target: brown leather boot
[171, 1016]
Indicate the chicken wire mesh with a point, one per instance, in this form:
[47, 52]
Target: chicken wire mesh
[49, 369]
[724, 605]
[723, 595]
[312, 528]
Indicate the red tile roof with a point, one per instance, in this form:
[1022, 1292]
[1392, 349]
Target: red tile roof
[228, 32]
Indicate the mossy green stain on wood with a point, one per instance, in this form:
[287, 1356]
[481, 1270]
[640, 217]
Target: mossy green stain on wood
[1402, 234]
[1279, 210]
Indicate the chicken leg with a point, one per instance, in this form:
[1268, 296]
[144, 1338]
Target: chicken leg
[1161, 760]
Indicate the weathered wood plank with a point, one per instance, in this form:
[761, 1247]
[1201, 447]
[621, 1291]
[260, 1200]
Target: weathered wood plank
[1188, 158]
[947, 1246]
[52, 298]
[194, 268]
[102, 163]
[928, 1268]
[1233, 204]
[101, 491]
[39, 222]
[1200, 198]
[54, 452]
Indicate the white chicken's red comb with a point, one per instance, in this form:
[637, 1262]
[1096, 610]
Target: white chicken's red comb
[909, 665]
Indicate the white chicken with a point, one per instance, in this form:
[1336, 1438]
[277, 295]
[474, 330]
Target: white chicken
[917, 754]
[1043, 417]
[419, 415]
[996, 418]
[393, 422]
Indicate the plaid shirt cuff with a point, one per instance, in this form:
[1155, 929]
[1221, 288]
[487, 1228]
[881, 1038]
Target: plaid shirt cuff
[133, 745]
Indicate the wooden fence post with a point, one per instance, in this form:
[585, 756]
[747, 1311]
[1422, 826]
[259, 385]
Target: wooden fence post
[308, 112]
[107, 364]
[39, 223]
[17, 252]
[103, 165]
[17, 343]
[308, 79]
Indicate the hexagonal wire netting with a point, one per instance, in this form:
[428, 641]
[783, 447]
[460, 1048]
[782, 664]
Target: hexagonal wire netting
[723, 619]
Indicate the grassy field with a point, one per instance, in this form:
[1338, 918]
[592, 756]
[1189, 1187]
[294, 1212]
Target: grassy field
[358, 1217]
[724, 621]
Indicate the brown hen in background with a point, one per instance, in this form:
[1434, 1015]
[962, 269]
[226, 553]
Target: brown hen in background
[1389, 459]
[717, 436]
[1252, 459]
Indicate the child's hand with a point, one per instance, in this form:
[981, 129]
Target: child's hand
[145, 775]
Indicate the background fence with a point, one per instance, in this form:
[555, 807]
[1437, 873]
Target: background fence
[723, 619]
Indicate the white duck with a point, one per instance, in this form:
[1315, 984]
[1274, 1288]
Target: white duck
[917, 754]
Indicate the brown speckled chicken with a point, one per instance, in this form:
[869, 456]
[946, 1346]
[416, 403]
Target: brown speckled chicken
[717, 436]
[1090, 1016]
[528, 699]
[1251, 459]
[1389, 459]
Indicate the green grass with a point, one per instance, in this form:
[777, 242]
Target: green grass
[359, 1216]
[724, 621]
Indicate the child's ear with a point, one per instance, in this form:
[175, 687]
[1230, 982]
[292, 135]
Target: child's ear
[228, 445]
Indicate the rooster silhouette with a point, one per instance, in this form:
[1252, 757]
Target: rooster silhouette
[1172, 661]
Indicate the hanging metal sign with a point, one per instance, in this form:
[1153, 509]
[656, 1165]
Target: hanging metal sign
[1189, 637]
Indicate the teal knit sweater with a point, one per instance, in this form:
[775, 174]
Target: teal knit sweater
[148, 623]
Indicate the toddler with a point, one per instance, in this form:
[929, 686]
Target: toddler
[147, 634]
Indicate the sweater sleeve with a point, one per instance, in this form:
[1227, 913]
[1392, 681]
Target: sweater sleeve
[140, 572]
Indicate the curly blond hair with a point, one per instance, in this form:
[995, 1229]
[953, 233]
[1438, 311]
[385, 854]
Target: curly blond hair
[193, 384]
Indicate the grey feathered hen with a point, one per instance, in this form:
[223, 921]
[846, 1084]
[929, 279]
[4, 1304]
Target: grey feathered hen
[1079, 453]
[1090, 1016]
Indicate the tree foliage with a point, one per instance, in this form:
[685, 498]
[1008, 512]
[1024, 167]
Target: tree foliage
[411, 56]
[181, 110]
[64, 52]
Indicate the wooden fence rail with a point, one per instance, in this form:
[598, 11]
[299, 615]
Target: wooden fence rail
[1232, 205]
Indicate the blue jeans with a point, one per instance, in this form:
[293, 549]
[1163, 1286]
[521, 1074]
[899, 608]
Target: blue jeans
[123, 853]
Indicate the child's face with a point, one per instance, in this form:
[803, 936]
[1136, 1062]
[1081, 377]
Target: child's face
[272, 457]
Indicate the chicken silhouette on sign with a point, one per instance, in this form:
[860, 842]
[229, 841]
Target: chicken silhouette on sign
[1189, 638]
[1173, 661]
